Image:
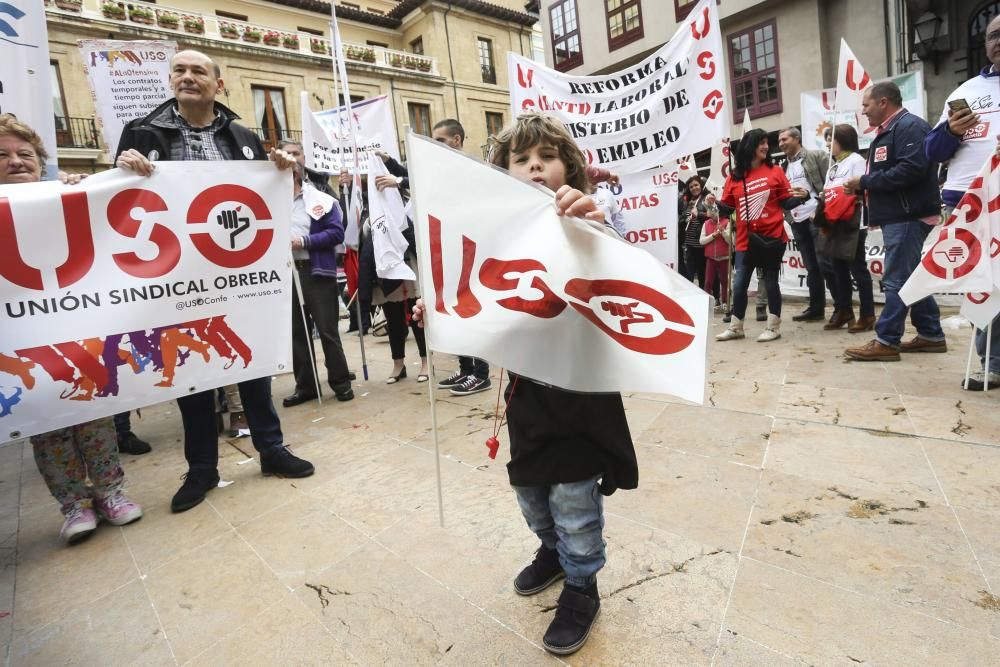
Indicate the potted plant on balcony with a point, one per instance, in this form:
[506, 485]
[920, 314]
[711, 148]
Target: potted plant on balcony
[368, 55]
[138, 14]
[229, 30]
[70, 5]
[396, 60]
[167, 19]
[424, 65]
[272, 38]
[317, 45]
[112, 10]
[194, 25]
[353, 53]
[251, 34]
[409, 62]
[290, 42]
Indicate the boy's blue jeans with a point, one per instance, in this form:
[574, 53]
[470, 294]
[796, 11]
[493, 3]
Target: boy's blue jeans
[570, 519]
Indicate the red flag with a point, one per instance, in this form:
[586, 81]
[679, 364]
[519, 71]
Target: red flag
[351, 270]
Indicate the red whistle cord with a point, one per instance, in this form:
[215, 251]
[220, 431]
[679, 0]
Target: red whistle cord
[492, 443]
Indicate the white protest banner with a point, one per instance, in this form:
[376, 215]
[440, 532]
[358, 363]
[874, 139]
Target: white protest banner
[648, 201]
[668, 105]
[375, 128]
[558, 300]
[125, 291]
[385, 212]
[25, 73]
[959, 259]
[127, 81]
[817, 111]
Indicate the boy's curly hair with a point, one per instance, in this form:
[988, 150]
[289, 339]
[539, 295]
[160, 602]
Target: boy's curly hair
[10, 125]
[532, 129]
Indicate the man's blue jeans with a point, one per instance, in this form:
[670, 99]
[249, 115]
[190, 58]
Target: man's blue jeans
[903, 243]
[994, 345]
[568, 518]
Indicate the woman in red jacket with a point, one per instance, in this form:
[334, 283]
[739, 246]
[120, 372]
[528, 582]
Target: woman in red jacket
[758, 190]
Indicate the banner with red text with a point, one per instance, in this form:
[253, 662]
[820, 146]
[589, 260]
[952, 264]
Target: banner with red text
[125, 291]
[669, 105]
[127, 81]
[326, 133]
[817, 111]
[559, 300]
[648, 202]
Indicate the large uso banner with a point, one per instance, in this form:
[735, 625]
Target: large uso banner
[669, 105]
[126, 291]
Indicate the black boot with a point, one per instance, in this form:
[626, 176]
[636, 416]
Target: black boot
[196, 484]
[280, 462]
[544, 571]
[575, 616]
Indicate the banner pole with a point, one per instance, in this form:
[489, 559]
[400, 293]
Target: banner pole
[986, 363]
[968, 363]
[361, 331]
[434, 429]
[305, 326]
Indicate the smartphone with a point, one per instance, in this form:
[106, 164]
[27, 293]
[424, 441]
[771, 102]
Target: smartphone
[958, 105]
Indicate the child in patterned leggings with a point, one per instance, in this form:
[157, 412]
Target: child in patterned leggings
[66, 457]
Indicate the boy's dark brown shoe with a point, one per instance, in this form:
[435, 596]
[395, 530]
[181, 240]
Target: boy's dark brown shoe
[544, 571]
[575, 616]
[918, 344]
[873, 351]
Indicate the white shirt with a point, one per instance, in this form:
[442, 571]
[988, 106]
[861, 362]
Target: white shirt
[608, 205]
[300, 225]
[850, 166]
[983, 95]
[796, 173]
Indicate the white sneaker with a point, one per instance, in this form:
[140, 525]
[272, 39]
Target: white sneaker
[734, 332]
[978, 380]
[773, 330]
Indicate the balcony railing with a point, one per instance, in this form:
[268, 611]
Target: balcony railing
[160, 18]
[73, 132]
[272, 137]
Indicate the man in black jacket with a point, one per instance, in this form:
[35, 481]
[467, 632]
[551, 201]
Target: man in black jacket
[193, 126]
[901, 196]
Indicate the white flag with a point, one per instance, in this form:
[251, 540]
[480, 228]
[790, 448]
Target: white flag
[385, 214]
[981, 308]
[959, 261]
[852, 79]
[746, 122]
[555, 299]
[25, 73]
[670, 104]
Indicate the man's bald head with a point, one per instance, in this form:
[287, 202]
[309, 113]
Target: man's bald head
[198, 55]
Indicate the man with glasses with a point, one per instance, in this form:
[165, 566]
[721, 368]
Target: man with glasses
[194, 126]
[966, 138]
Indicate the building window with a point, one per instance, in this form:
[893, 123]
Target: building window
[269, 110]
[494, 123]
[378, 44]
[565, 25]
[486, 60]
[753, 61]
[420, 118]
[682, 8]
[231, 15]
[311, 31]
[58, 98]
[624, 22]
[417, 46]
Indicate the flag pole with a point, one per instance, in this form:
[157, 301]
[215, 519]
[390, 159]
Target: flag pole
[986, 363]
[305, 327]
[968, 363]
[422, 261]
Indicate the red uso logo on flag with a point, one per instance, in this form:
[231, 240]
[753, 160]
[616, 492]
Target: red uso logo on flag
[956, 253]
[854, 82]
[635, 316]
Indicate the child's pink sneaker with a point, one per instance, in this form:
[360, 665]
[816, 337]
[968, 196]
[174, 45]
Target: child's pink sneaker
[79, 524]
[117, 510]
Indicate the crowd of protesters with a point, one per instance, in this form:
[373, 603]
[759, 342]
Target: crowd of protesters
[568, 449]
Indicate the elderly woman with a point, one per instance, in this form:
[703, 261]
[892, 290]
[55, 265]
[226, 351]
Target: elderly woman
[67, 457]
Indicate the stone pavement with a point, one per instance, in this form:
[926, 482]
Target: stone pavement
[814, 511]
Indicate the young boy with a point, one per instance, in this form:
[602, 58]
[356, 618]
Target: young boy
[568, 449]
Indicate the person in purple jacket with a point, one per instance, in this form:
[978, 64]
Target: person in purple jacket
[317, 230]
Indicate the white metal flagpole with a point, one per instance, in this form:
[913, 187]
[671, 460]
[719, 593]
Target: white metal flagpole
[968, 363]
[986, 362]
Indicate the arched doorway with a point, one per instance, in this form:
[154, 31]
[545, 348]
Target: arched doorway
[977, 36]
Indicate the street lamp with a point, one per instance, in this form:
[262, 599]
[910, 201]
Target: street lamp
[928, 28]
